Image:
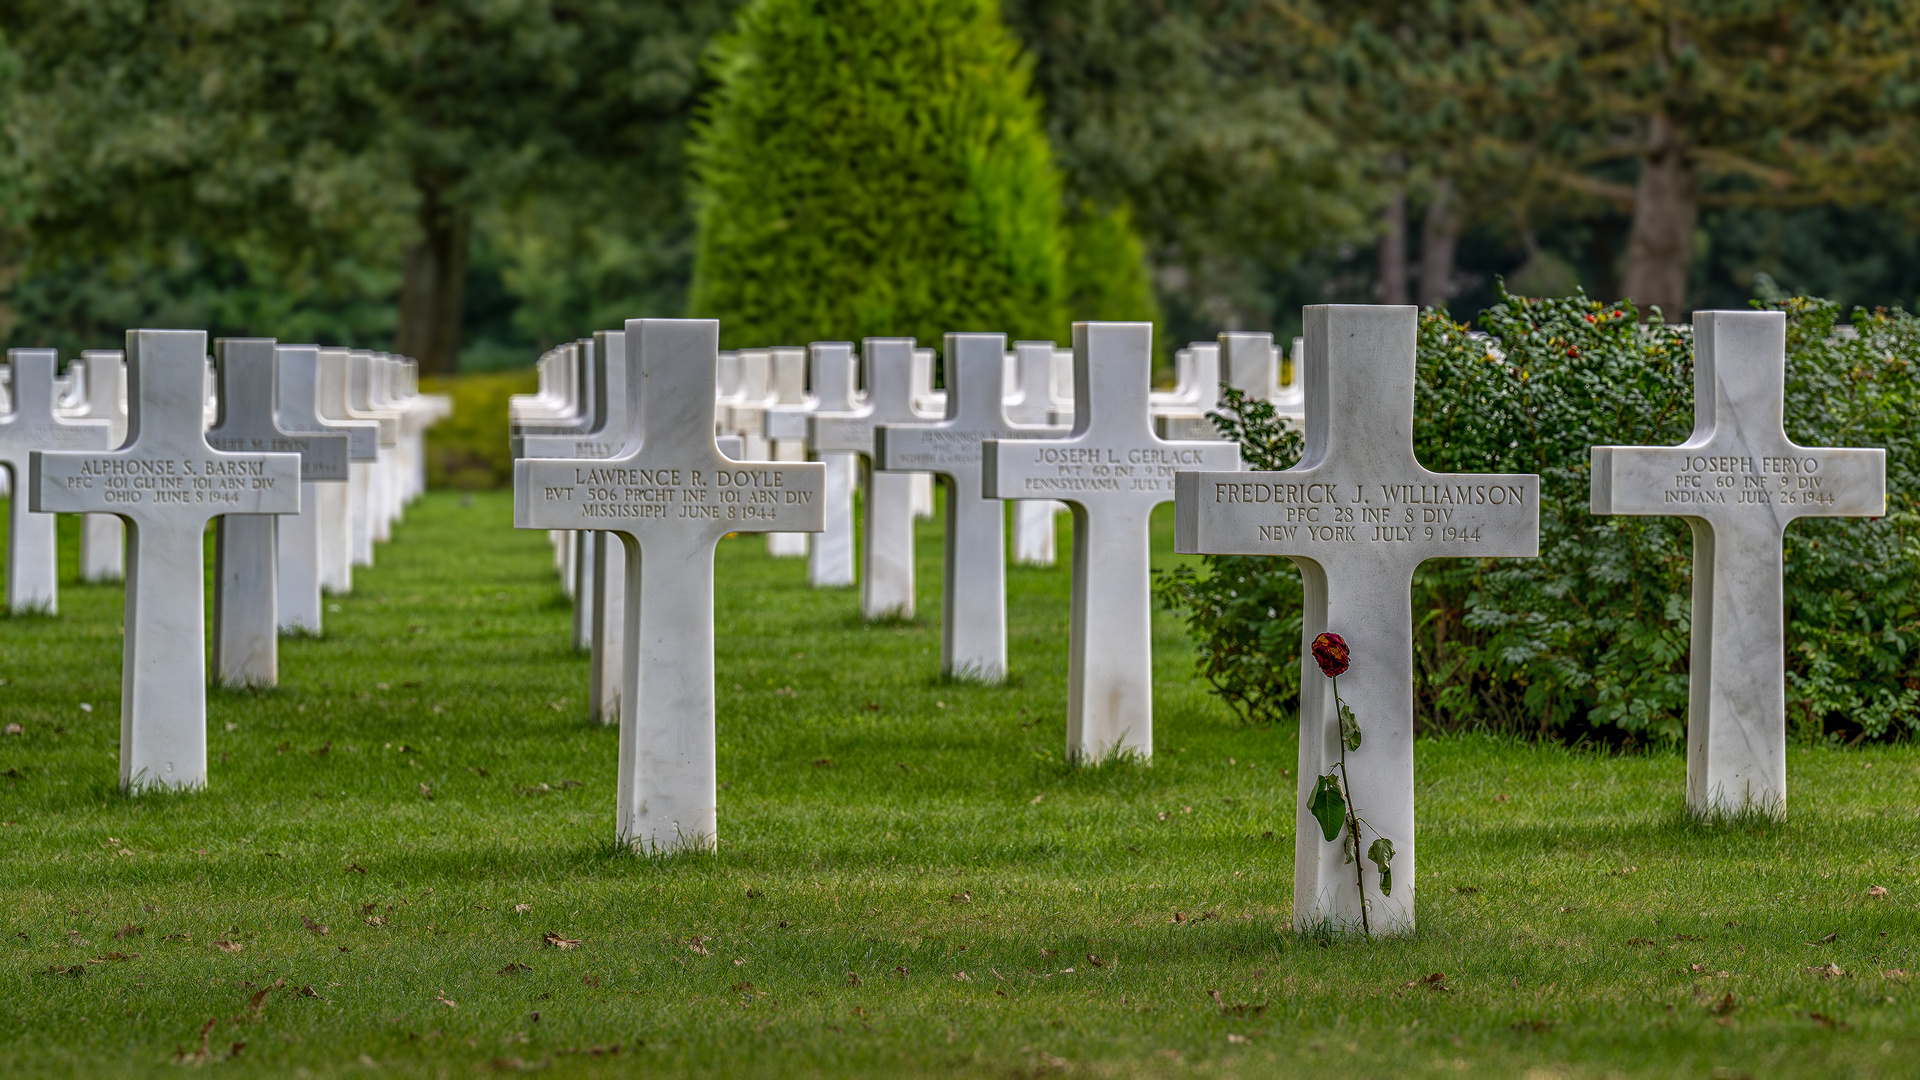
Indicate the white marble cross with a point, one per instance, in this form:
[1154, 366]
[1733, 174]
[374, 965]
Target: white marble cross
[307, 540]
[1357, 515]
[600, 586]
[1112, 470]
[246, 573]
[830, 558]
[787, 368]
[1739, 482]
[343, 508]
[973, 609]
[886, 578]
[32, 550]
[166, 482]
[1031, 402]
[672, 496]
[103, 540]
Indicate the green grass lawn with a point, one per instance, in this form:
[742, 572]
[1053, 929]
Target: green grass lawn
[908, 879]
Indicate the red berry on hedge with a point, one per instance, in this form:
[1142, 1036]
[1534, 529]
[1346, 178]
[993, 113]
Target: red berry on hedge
[1330, 652]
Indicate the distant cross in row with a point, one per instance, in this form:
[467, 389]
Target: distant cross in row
[973, 608]
[1738, 481]
[672, 496]
[1358, 514]
[886, 578]
[246, 611]
[166, 483]
[1112, 470]
[32, 551]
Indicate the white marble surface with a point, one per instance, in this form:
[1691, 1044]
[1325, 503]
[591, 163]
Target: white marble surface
[830, 561]
[166, 483]
[886, 577]
[1029, 401]
[973, 609]
[1112, 470]
[246, 575]
[1357, 515]
[103, 540]
[671, 498]
[308, 540]
[789, 383]
[1738, 481]
[32, 424]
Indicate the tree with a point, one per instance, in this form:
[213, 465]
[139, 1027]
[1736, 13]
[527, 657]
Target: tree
[294, 133]
[874, 167]
[1715, 102]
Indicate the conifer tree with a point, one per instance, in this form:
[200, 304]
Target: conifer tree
[874, 167]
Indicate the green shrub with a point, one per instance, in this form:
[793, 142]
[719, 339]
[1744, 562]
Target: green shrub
[872, 167]
[470, 449]
[1591, 639]
[1106, 269]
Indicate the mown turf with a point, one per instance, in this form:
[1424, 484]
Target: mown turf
[908, 880]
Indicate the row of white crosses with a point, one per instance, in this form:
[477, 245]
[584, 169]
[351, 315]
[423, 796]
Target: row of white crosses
[1358, 514]
[161, 475]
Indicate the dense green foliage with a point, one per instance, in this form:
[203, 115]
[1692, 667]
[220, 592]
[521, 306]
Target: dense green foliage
[470, 450]
[874, 167]
[395, 830]
[1592, 637]
[1106, 271]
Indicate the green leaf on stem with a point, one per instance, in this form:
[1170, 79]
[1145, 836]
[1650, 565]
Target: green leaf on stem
[1349, 728]
[1382, 855]
[1328, 806]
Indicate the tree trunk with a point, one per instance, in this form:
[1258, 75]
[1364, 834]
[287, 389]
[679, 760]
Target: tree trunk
[1439, 236]
[432, 286]
[1666, 208]
[1391, 282]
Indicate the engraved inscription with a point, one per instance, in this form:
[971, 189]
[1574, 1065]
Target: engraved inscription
[1090, 468]
[165, 481]
[678, 494]
[1749, 480]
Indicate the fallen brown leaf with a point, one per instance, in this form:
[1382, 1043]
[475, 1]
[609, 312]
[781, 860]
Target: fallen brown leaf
[229, 946]
[1725, 1006]
[1877, 890]
[555, 941]
[1827, 971]
[313, 927]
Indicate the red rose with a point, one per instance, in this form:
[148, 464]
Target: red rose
[1330, 652]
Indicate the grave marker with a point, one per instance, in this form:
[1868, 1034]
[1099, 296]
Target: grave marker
[1739, 482]
[304, 544]
[103, 540]
[1112, 470]
[166, 483]
[886, 579]
[672, 496]
[1357, 515]
[33, 424]
[830, 555]
[1031, 402]
[973, 609]
[246, 563]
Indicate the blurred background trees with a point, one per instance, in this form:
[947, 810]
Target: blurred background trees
[472, 182]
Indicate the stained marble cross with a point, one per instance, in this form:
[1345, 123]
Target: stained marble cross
[306, 540]
[671, 495]
[973, 608]
[166, 483]
[32, 551]
[1112, 470]
[886, 577]
[1357, 515]
[103, 540]
[1738, 481]
[246, 575]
